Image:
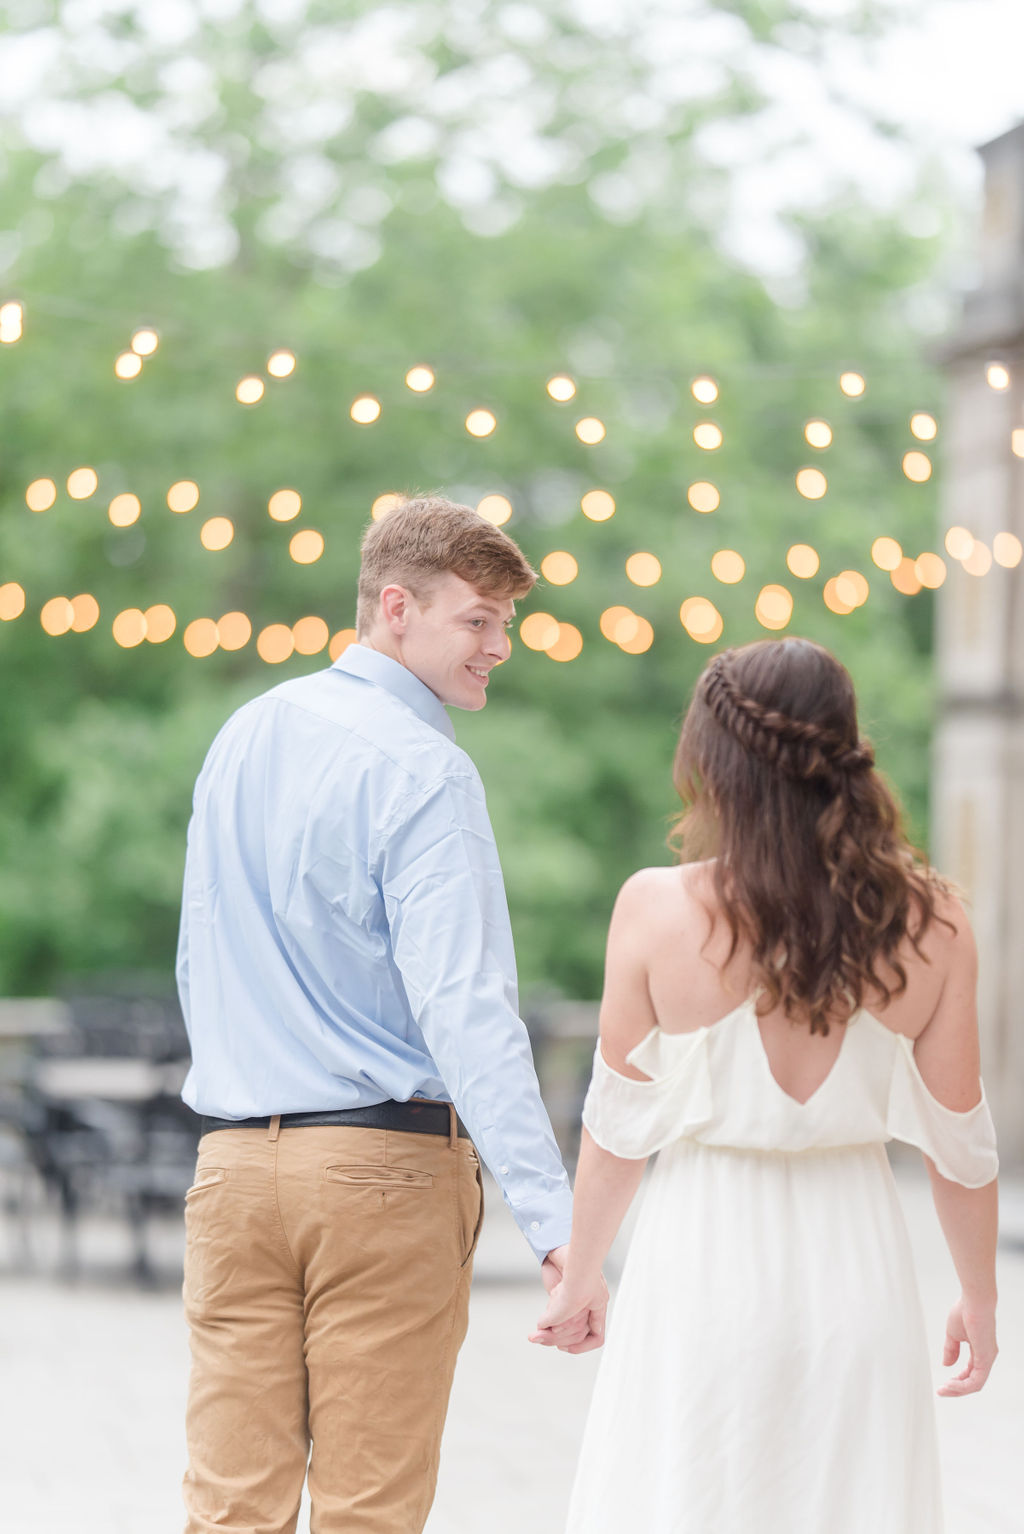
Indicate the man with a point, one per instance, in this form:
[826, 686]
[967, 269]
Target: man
[347, 977]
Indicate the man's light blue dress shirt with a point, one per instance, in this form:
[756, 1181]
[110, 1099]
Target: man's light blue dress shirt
[345, 937]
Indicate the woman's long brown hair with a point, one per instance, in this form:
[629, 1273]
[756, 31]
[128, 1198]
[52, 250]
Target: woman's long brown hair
[812, 866]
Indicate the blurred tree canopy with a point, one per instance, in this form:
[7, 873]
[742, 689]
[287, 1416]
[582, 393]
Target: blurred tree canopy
[502, 192]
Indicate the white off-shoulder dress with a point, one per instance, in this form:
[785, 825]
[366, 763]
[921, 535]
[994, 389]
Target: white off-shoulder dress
[766, 1370]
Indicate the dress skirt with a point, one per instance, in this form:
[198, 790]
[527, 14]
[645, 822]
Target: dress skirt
[766, 1369]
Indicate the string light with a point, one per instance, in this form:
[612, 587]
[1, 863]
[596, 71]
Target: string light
[561, 388]
[643, 569]
[340, 642]
[924, 426]
[774, 607]
[480, 423]
[82, 484]
[310, 635]
[997, 376]
[216, 534]
[979, 560]
[12, 321]
[704, 390]
[728, 567]
[306, 547]
[905, 578]
[40, 495]
[234, 631]
[917, 467]
[420, 379]
[598, 505]
[590, 430]
[495, 509]
[160, 623]
[568, 644]
[640, 641]
[833, 601]
[124, 509]
[249, 390]
[57, 616]
[707, 436]
[129, 628]
[128, 365]
[818, 434]
[852, 384]
[701, 620]
[85, 612]
[12, 601]
[886, 553]
[539, 631]
[183, 496]
[1017, 441]
[930, 570]
[959, 543]
[852, 588]
[619, 624]
[811, 484]
[385, 503]
[145, 342]
[802, 561]
[201, 638]
[703, 496]
[364, 411]
[284, 505]
[1007, 550]
[559, 567]
[281, 364]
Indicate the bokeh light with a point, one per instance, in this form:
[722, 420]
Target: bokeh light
[12, 601]
[183, 495]
[124, 509]
[234, 630]
[40, 495]
[728, 567]
[568, 644]
[704, 390]
[930, 570]
[959, 543]
[275, 643]
[559, 567]
[420, 379]
[145, 342]
[598, 505]
[249, 390]
[997, 376]
[201, 638]
[284, 505]
[82, 483]
[480, 423]
[12, 321]
[306, 547]
[1017, 441]
[128, 365]
[703, 496]
[85, 612]
[905, 577]
[833, 601]
[619, 624]
[811, 484]
[852, 384]
[917, 467]
[364, 411]
[707, 436]
[57, 616]
[643, 569]
[1007, 550]
[701, 620]
[217, 533]
[340, 642]
[310, 635]
[818, 434]
[774, 607]
[539, 631]
[924, 426]
[281, 364]
[160, 623]
[495, 509]
[852, 588]
[640, 640]
[129, 628]
[590, 430]
[886, 553]
[802, 561]
[561, 387]
[979, 560]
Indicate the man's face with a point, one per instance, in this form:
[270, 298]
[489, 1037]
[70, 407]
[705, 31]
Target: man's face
[455, 640]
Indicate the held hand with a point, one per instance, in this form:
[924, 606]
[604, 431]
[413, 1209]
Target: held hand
[574, 1321]
[975, 1326]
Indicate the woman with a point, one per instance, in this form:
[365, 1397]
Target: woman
[771, 1016]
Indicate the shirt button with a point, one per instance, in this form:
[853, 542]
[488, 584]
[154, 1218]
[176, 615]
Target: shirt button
[535, 1225]
[503, 1170]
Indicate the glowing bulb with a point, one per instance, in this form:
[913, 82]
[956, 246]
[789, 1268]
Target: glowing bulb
[905, 578]
[707, 436]
[281, 364]
[704, 390]
[128, 365]
[774, 607]
[201, 638]
[598, 505]
[385, 503]
[979, 560]
[12, 318]
[183, 496]
[590, 430]
[811, 484]
[306, 548]
[818, 433]
[852, 385]
[216, 534]
[480, 423]
[129, 628]
[643, 569]
[886, 553]
[40, 495]
[420, 379]
[559, 568]
[561, 388]
[997, 376]
[82, 483]
[802, 561]
[568, 644]
[364, 411]
[917, 467]
[703, 496]
[124, 509]
[1007, 550]
[85, 613]
[930, 570]
[234, 631]
[619, 624]
[701, 619]
[160, 623]
[145, 342]
[310, 635]
[249, 390]
[959, 543]
[833, 601]
[641, 639]
[284, 505]
[539, 631]
[852, 587]
[728, 567]
[57, 616]
[495, 508]
[12, 601]
[924, 426]
[340, 642]
[1017, 441]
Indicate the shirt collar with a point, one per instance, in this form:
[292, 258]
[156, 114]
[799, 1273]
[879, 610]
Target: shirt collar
[382, 671]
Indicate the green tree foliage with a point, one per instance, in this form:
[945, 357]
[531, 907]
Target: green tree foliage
[503, 194]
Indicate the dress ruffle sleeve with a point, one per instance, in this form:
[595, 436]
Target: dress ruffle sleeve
[962, 1145]
[633, 1119]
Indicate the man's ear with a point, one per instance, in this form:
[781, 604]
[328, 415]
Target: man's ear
[394, 608]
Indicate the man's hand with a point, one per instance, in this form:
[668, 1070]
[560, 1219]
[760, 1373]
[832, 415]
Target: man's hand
[574, 1321]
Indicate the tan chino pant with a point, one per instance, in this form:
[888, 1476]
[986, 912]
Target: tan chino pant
[327, 1280]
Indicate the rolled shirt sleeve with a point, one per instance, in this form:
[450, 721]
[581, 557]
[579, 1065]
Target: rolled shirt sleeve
[452, 943]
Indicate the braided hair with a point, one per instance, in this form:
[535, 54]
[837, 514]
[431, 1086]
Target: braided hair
[812, 866]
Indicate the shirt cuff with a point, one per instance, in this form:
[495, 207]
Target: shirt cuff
[545, 1221]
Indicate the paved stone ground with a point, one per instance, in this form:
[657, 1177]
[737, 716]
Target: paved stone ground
[93, 1380]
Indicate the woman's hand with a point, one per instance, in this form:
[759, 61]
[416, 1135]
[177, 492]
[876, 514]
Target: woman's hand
[974, 1325]
[575, 1318]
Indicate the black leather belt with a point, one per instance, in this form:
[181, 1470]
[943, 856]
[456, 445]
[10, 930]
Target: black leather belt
[413, 1117]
